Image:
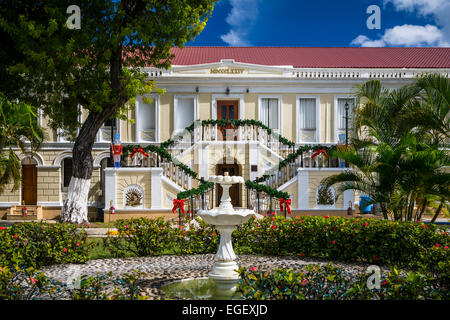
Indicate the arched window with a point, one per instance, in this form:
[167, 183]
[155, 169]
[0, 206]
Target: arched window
[66, 173]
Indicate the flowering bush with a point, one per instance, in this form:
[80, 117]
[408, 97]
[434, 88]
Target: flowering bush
[22, 284]
[331, 283]
[346, 239]
[35, 245]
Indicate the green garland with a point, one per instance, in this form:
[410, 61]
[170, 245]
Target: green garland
[161, 152]
[205, 186]
[202, 188]
[292, 157]
[274, 193]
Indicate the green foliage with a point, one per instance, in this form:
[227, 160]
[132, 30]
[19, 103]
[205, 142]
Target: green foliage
[381, 242]
[22, 284]
[405, 244]
[148, 237]
[18, 123]
[329, 282]
[39, 244]
[399, 147]
[143, 237]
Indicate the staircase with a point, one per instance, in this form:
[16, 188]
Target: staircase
[34, 212]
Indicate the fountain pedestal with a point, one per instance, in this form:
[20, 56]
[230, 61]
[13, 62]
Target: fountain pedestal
[225, 219]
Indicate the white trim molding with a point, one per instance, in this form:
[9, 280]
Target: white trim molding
[297, 116]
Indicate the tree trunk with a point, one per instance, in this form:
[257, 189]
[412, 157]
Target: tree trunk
[75, 205]
[422, 210]
[437, 212]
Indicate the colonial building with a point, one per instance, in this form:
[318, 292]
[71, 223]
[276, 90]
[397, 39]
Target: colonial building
[298, 97]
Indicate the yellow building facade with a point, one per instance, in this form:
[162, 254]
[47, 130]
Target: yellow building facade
[306, 106]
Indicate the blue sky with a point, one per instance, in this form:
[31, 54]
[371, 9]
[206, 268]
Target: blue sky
[334, 23]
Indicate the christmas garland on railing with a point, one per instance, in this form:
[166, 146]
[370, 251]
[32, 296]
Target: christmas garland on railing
[205, 186]
[162, 152]
[235, 123]
[202, 188]
[292, 157]
[274, 193]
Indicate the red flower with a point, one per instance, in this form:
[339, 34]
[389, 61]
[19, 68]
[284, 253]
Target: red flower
[65, 250]
[292, 222]
[365, 224]
[2, 228]
[334, 229]
[273, 213]
[273, 219]
[272, 227]
[437, 245]
[424, 226]
[375, 258]
[78, 244]
[446, 247]
[384, 282]
[213, 234]
[326, 217]
[305, 282]
[33, 280]
[253, 269]
[301, 254]
[333, 242]
[15, 236]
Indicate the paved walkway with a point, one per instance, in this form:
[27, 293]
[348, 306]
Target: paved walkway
[163, 269]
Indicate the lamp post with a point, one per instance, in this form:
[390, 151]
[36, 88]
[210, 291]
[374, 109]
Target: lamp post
[346, 128]
[346, 123]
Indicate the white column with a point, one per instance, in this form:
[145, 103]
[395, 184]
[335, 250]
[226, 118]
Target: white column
[303, 189]
[202, 160]
[156, 188]
[253, 159]
[110, 187]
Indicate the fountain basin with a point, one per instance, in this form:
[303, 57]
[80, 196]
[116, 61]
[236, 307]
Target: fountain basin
[198, 289]
[219, 217]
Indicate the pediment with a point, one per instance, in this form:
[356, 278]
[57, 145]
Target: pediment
[230, 68]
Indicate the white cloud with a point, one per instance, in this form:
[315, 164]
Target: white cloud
[364, 41]
[242, 16]
[412, 35]
[405, 35]
[439, 10]
[424, 7]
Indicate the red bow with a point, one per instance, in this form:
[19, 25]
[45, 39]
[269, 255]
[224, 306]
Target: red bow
[324, 151]
[287, 203]
[178, 204]
[140, 150]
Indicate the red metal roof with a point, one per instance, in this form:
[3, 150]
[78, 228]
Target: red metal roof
[322, 57]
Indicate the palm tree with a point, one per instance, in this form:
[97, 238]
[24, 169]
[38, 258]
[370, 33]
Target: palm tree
[396, 149]
[18, 127]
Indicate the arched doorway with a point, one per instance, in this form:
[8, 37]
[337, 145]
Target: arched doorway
[29, 181]
[235, 194]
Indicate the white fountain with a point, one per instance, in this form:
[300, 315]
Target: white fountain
[225, 218]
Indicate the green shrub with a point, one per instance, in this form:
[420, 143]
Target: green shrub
[39, 244]
[331, 283]
[22, 284]
[346, 239]
[143, 237]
